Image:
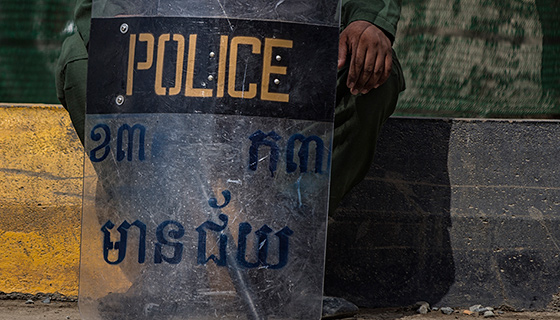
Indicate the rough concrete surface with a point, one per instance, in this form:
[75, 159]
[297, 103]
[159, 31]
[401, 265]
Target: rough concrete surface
[452, 212]
[41, 167]
[20, 310]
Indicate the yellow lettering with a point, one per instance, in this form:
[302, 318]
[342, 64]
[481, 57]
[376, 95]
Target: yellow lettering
[160, 90]
[144, 37]
[222, 66]
[190, 91]
[235, 42]
[130, 72]
[269, 69]
[149, 38]
[179, 67]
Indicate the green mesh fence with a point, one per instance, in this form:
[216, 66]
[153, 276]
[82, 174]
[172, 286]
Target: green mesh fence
[31, 33]
[461, 58]
[480, 58]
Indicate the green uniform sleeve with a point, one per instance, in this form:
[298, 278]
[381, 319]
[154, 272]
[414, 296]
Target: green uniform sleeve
[383, 13]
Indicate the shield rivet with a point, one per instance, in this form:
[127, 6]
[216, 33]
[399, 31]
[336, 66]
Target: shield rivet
[276, 81]
[124, 28]
[212, 54]
[278, 58]
[210, 78]
[119, 100]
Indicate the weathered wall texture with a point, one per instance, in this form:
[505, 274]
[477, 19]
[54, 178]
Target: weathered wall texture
[453, 212]
[41, 167]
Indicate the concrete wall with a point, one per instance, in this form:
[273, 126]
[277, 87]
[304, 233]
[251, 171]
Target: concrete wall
[41, 167]
[453, 212]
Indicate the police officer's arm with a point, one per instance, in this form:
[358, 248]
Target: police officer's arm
[365, 43]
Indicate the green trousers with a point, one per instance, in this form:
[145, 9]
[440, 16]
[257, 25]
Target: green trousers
[357, 124]
[358, 118]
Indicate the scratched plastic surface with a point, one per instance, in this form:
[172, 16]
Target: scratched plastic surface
[202, 214]
[323, 12]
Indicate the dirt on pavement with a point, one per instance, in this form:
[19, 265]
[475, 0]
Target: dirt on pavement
[409, 314]
[57, 310]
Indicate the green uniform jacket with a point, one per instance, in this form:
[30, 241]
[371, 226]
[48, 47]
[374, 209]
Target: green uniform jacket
[383, 13]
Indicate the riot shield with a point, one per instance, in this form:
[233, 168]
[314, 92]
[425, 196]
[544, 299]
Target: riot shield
[208, 140]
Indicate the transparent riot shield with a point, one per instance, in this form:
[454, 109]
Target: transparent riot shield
[208, 139]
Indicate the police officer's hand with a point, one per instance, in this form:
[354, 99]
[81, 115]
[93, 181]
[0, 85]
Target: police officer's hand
[369, 51]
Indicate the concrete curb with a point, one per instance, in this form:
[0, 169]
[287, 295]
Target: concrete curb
[41, 168]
